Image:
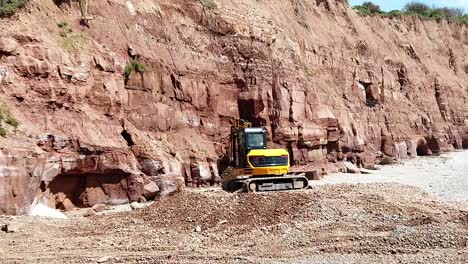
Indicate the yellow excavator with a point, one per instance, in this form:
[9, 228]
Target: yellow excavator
[253, 167]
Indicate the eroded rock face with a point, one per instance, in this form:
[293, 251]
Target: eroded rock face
[349, 89]
[84, 175]
[64, 174]
[20, 176]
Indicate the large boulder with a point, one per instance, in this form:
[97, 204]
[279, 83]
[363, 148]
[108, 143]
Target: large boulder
[200, 172]
[215, 178]
[62, 202]
[351, 168]
[92, 196]
[8, 45]
[150, 190]
[135, 187]
[151, 167]
[169, 184]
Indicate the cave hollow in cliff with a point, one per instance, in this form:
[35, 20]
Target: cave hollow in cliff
[422, 148]
[372, 97]
[433, 144]
[87, 190]
[127, 137]
[249, 110]
[428, 146]
[465, 143]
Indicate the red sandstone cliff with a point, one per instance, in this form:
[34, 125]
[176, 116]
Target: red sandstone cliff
[327, 83]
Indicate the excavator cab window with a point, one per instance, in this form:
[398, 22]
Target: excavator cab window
[255, 141]
[243, 139]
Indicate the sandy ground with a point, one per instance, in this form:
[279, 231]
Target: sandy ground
[444, 176]
[332, 223]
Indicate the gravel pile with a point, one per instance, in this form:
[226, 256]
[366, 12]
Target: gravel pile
[365, 223]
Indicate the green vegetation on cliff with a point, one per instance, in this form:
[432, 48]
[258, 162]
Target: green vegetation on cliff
[71, 40]
[134, 65]
[368, 8]
[7, 117]
[9, 7]
[415, 8]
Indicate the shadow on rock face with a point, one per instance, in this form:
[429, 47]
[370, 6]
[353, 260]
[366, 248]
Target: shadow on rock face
[422, 149]
[428, 146]
[465, 143]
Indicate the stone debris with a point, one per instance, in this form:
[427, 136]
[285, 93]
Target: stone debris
[8, 45]
[150, 190]
[89, 212]
[365, 171]
[351, 168]
[116, 209]
[99, 207]
[67, 205]
[105, 259]
[137, 205]
[11, 227]
[222, 222]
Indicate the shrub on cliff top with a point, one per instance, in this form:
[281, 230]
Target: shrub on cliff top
[416, 8]
[368, 8]
[464, 19]
[446, 12]
[361, 9]
[421, 9]
[9, 7]
[373, 8]
[395, 13]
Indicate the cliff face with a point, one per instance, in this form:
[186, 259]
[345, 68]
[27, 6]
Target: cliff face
[328, 85]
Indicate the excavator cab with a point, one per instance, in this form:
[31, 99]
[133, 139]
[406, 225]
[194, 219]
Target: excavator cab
[254, 167]
[249, 153]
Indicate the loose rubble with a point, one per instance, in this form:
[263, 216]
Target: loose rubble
[366, 223]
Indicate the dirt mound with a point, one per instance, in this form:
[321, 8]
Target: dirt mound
[347, 203]
[247, 211]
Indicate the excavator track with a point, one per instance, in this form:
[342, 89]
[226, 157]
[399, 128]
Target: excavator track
[267, 184]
